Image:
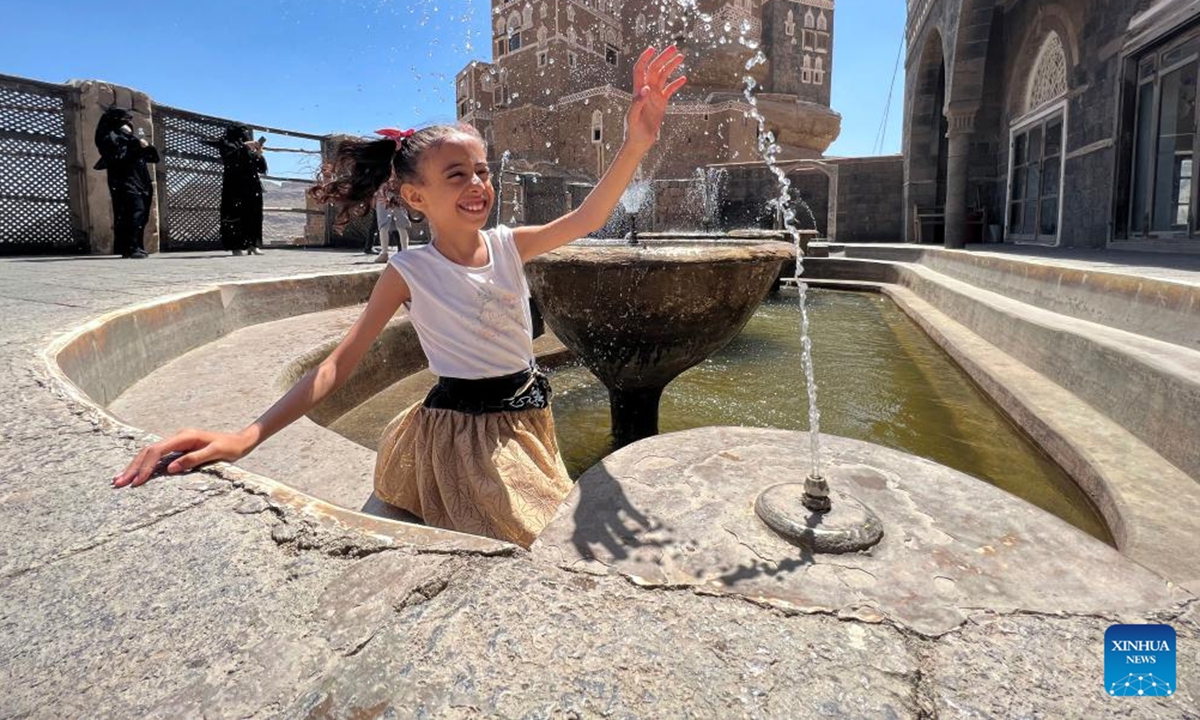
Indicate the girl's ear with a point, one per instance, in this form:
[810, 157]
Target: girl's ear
[412, 196]
[414, 202]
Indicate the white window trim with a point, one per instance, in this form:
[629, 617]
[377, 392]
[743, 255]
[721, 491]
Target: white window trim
[1024, 123]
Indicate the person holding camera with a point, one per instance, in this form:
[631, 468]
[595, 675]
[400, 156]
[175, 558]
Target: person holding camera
[241, 190]
[124, 154]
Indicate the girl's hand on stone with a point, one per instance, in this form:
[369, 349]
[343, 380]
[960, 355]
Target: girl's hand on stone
[179, 454]
[651, 92]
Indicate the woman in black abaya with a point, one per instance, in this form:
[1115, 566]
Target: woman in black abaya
[124, 155]
[241, 190]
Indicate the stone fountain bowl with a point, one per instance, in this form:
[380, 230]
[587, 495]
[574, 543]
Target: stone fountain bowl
[639, 315]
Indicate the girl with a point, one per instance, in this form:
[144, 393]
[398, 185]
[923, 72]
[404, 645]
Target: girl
[479, 454]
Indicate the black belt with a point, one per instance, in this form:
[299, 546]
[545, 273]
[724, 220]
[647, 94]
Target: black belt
[524, 390]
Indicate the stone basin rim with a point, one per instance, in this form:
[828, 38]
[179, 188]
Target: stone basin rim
[375, 529]
[676, 251]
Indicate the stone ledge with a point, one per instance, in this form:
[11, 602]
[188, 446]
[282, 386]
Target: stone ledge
[667, 512]
[1151, 523]
[118, 343]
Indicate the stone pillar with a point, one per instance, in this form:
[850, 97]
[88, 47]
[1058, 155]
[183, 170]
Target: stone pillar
[97, 213]
[958, 146]
[832, 171]
[318, 228]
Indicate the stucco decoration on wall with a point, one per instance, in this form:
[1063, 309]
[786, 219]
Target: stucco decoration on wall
[1049, 78]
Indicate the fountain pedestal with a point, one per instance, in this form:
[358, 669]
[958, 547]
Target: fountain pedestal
[848, 526]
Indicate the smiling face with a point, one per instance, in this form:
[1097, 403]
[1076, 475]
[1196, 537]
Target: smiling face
[454, 190]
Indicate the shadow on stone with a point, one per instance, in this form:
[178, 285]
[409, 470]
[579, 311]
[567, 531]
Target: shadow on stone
[605, 517]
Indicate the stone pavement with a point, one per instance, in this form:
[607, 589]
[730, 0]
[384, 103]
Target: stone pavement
[191, 596]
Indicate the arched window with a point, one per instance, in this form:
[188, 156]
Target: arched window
[822, 22]
[809, 21]
[1049, 78]
[514, 32]
[527, 16]
[789, 25]
[639, 24]
[819, 71]
[597, 126]
[500, 25]
[571, 37]
[542, 34]
[543, 11]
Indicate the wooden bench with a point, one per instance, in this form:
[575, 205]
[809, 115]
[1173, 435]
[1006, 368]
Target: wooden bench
[931, 217]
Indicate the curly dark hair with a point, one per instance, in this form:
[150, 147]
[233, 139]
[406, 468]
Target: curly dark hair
[361, 167]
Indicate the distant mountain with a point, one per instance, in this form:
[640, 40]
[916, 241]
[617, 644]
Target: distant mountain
[283, 228]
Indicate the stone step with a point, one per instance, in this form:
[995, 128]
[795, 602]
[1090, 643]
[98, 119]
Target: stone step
[1148, 386]
[1157, 307]
[1151, 505]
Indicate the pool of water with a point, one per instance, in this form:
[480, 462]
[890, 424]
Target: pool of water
[879, 377]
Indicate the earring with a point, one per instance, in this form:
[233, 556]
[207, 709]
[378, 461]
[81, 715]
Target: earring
[414, 216]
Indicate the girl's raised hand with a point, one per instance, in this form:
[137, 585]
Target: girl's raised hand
[651, 92]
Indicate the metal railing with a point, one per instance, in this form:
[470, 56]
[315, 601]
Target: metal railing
[190, 180]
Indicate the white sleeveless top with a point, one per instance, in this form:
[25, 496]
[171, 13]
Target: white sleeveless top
[472, 322]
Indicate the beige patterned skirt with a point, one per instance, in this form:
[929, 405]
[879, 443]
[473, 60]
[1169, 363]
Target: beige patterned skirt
[495, 474]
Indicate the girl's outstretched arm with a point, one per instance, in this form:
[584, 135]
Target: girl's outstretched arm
[201, 446]
[651, 93]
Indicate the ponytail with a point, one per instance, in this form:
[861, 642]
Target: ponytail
[361, 167]
[358, 170]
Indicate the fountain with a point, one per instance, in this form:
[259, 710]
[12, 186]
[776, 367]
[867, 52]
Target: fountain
[632, 201]
[704, 197]
[639, 315]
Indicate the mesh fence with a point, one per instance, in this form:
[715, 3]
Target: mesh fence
[190, 173]
[35, 212]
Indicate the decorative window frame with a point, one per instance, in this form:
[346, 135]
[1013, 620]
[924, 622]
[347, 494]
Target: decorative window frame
[1022, 124]
[1036, 94]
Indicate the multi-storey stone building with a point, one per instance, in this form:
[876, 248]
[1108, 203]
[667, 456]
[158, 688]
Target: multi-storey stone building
[557, 90]
[1067, 122]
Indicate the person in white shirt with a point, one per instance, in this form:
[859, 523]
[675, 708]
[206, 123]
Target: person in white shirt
[479, 454]
[392, 220]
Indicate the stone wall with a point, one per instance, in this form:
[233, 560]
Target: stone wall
[96, 206]
[870, 199]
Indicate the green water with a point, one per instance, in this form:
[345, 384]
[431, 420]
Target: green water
[879, 379]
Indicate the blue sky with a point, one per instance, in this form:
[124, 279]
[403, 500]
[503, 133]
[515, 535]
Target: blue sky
[354, 65]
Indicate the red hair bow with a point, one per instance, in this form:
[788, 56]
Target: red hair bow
[396, 134]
